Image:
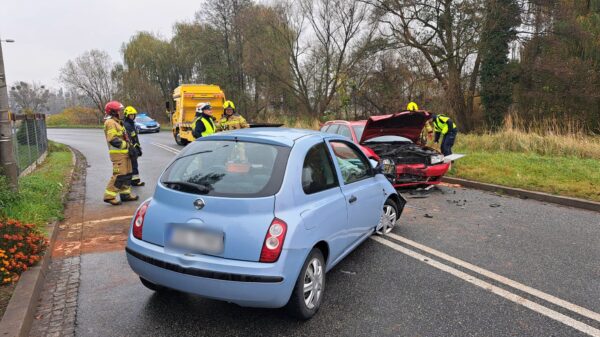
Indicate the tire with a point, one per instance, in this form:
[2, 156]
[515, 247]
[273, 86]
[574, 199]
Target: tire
[302, 306]
[390, 210]
[178, 139]
[152, 286]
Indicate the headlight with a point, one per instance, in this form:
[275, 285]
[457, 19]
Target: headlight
[389, 168]
[157, 125]
[436, 159]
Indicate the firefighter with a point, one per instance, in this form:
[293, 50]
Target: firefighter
[204, 124]
[231, 120]
[443, 125]
[136, 150]
[118, 149]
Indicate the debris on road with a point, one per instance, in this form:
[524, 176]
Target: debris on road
[348, 272]
[427, 215]
[495, 205]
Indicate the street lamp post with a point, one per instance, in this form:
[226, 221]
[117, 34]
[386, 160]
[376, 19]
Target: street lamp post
[8, 165]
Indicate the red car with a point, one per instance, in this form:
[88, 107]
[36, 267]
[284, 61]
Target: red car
[395, 139]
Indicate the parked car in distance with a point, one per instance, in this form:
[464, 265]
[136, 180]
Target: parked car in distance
[394, 139]
[258, 216]
[145, 124]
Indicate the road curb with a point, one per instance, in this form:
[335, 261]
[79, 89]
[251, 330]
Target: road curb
[18, 317]
[521, 193]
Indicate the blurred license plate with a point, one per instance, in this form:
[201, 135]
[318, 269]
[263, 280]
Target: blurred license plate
[197, 240]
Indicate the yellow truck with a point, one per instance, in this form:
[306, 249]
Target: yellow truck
[186, 97]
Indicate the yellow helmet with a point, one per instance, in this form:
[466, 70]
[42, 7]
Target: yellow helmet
[228, 105]
[130, 111]
[412, 106]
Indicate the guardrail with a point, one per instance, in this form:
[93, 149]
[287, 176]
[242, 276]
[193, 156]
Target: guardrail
[30, 140]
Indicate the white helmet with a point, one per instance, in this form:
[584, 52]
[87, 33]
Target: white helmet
[202, 106]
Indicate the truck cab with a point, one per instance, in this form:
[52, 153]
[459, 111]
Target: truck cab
[186, 97]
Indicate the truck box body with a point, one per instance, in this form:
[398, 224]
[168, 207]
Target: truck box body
[186, 97]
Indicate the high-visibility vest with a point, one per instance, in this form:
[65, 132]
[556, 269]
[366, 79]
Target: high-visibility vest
[209, 126]
[112, 129]
[441, 124]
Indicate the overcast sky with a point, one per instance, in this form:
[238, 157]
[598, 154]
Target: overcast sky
[48, 33]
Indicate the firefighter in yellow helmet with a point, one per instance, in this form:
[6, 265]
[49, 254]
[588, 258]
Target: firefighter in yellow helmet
[204, 124]
[136, 150]
[118, 149]
[230, 119]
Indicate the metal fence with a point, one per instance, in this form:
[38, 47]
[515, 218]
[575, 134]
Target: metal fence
[30, 140]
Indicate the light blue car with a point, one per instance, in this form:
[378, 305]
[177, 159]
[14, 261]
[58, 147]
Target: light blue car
[258, 216]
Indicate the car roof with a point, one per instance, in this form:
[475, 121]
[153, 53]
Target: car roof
[361, 122]
[269, 135]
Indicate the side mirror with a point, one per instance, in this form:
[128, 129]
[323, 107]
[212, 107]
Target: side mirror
[374, 163]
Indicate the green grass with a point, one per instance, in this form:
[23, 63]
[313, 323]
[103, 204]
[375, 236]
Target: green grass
[39, 199]
[74, 126]
[563, 175]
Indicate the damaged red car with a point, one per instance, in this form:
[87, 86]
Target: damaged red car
[395, 140]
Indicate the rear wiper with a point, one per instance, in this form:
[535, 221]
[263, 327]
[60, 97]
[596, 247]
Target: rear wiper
[202, 189]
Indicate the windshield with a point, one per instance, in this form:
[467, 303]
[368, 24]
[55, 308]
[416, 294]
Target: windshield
[358, 130]
[389, 139]
[144, 119]
[228, 168]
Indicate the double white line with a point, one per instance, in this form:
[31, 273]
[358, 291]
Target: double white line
[167, 148]
[494, 289]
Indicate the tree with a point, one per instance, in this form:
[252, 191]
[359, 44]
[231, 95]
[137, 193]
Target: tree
[502, 19]
[90, 74]
[446, 33]
[29, 97]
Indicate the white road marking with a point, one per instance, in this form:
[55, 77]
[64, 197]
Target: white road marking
[531, 291]
[167, 148]
[494, 289]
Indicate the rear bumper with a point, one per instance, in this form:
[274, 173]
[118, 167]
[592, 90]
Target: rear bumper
[252, 284]
[419, 174]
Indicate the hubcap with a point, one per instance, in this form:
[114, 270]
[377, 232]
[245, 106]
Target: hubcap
[388, 220]
[313, 283]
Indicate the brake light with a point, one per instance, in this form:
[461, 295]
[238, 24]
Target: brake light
[273, 244]
[138, 220]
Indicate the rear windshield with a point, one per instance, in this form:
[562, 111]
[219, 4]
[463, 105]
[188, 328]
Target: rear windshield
[144, 119]
[229, 169]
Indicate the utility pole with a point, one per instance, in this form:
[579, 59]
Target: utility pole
[8, 166]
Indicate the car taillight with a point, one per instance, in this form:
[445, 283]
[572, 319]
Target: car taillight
[138, 220]
[273, 244]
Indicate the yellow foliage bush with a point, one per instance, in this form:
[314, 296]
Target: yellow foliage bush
[74, 116]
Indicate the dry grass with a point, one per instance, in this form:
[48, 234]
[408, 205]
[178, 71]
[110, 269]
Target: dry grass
[548, 137]
[294, 122]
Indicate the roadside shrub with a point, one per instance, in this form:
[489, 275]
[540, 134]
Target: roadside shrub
[74, 116]
[21, 246]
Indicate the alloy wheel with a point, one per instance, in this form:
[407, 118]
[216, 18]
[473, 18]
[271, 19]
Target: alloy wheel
[313, 283]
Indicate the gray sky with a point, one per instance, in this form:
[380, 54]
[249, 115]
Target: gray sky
[48, 33]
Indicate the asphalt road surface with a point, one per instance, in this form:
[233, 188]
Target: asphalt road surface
[461, 263]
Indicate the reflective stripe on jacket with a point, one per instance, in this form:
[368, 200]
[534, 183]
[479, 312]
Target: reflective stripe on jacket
[233, 122]
[441, 124]
[113, 129]
[209, 126]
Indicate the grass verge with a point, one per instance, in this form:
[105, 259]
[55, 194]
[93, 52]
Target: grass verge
[552, 164]
[73, 126]
[39, 199]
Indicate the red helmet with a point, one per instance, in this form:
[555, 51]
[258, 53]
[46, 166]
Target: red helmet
[113, 107]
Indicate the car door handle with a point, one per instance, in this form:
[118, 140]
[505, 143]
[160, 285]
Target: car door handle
[352, 199]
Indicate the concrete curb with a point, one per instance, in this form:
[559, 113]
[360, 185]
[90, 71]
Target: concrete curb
[18, 317]
[517, 192]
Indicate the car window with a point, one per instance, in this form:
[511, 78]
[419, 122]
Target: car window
[353, 164]
[325, 127]
[317, 172]
[333, 128]
[344, 131]
[358, 130]
[228, 168]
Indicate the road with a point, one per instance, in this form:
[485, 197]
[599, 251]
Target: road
[461, 263]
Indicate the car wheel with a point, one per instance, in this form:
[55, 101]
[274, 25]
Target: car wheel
[179, 140]
[389, 216]
[310, 287]
[152, 286]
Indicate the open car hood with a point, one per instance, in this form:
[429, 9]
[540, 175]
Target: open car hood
[407, 124]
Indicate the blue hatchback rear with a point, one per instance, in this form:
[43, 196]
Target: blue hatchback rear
[257, 216]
